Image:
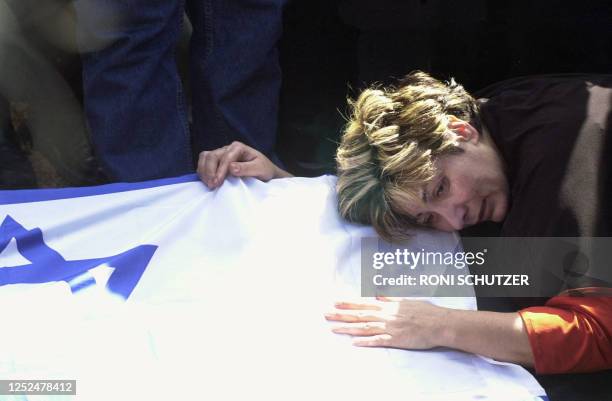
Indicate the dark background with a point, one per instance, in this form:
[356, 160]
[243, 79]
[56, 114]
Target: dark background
[330, 50]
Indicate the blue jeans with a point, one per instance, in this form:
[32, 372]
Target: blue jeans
[134, 101]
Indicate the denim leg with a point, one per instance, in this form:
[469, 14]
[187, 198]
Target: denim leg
[235, 72]
[132, 91]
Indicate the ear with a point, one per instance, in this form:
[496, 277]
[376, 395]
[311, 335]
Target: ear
[464, 130]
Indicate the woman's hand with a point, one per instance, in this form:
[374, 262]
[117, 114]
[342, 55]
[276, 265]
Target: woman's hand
[411, 324]
[386, 323]
[238, 160]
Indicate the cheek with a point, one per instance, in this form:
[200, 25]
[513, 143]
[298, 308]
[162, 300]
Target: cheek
[464, 188]
[491, 183]
[477, 187]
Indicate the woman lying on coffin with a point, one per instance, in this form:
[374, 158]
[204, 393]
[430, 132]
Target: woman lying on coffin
[426, 153]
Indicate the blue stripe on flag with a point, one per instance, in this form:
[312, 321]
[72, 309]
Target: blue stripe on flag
[8, 197]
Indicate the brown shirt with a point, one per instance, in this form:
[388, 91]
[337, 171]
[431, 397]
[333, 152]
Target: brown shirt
[555, 136]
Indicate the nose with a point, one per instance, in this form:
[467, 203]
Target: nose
[453, 214]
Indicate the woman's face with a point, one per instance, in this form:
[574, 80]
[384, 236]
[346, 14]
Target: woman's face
[469, 187]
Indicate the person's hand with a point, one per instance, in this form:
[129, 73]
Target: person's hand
[238, 160]
[388, 323]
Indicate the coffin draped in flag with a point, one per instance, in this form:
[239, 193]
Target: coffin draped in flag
[167, 290]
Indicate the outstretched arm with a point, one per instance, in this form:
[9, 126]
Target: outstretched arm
[420, 325]
[568, 334]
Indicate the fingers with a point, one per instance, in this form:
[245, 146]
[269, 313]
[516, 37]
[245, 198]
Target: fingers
[213, 165]
[361, 329]
[380, 340]
[354, 316]
[369, 327]
[236, 152]
[251, 168]
[368, 334]
[208, 162]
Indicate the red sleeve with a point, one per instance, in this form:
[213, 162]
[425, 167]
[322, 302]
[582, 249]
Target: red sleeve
[571, 334]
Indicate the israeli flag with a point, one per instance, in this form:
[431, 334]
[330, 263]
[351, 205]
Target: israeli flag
[165, 290]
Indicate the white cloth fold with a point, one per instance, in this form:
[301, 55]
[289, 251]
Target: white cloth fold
[229, 306]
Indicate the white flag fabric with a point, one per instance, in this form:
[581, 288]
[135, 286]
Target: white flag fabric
[165, 290]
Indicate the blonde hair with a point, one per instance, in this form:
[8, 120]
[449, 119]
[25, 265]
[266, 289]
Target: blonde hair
[389, 146]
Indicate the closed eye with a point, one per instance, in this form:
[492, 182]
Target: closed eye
[441, 188]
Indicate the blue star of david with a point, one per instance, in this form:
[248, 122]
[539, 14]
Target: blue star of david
[47, 265]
